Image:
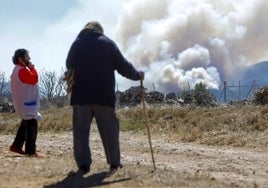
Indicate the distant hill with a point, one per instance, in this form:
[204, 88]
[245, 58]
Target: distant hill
[256, 76]
[258, 73]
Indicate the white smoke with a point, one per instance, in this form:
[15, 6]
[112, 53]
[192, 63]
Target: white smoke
[184, 42]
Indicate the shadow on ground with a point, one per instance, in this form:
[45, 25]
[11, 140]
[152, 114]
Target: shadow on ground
[77, 180]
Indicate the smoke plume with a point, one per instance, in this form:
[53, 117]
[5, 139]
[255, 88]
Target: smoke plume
[180, 43]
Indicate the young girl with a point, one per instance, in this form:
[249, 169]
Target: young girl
[26, 99]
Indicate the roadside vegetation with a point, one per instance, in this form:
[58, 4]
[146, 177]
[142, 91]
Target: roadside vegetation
[238, 125]
[234, 125]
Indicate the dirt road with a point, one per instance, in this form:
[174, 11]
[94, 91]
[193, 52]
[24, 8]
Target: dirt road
[178, 164]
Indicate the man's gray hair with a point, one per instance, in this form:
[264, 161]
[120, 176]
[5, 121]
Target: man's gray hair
[94, 25]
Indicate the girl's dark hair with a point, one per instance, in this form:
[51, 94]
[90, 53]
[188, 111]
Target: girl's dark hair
[19, 53]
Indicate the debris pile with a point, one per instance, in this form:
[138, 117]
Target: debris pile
[155, 97]
[188, 99]
[204, 99]
[171, 96]
[261, 96]
[132, 97]
[6, 107]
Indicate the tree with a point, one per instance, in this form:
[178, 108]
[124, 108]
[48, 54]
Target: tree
[200, 88]
[202, 95]
[4, 89]
[51, 85]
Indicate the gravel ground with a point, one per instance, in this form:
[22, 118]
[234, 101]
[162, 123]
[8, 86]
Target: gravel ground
[177, 164]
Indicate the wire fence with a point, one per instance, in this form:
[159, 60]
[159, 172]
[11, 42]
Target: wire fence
[239, 91]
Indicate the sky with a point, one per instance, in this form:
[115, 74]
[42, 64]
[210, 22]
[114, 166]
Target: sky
[178, 43]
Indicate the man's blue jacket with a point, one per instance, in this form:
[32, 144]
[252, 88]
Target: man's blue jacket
[94, 58]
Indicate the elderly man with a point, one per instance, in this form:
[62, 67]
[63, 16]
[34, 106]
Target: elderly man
[92, 59]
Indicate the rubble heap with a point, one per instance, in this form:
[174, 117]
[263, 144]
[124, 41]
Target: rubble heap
[6, 107]
[261, 96]
[155, 97]
[204, 99]
[132, 97]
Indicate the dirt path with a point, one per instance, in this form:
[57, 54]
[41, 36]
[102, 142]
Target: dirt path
[178, 164]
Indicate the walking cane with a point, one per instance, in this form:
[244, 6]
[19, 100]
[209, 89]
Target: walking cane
[145, 113]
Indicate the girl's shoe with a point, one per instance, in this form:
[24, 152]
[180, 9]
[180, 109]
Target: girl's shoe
[16, 150]
[32, 155]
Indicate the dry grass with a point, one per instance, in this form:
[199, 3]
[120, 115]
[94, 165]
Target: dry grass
[243, 126]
